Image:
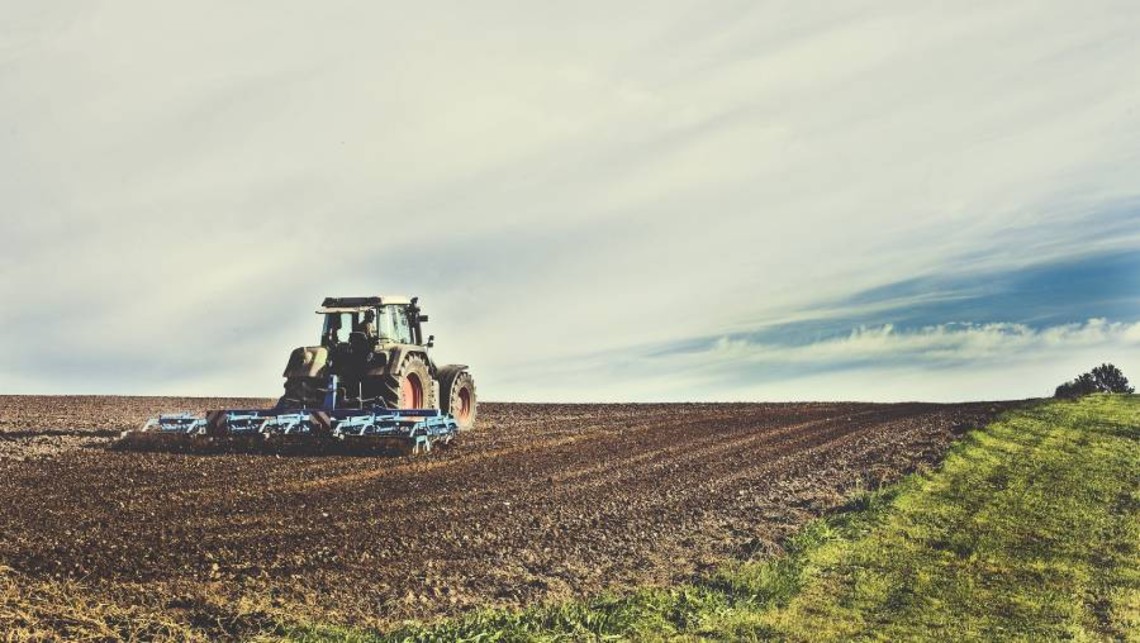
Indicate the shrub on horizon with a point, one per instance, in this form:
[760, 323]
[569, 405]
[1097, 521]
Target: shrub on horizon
[1105, 378]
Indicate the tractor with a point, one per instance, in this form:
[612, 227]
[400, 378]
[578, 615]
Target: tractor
[376, 348]
[370, 383]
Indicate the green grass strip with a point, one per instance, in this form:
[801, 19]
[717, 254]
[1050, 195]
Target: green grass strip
[1029, 531]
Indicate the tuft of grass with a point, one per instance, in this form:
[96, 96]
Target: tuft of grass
[67, 610]
[50, 611]
[1030, 530]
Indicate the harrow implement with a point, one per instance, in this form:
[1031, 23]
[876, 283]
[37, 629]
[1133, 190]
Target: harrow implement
[375, 429]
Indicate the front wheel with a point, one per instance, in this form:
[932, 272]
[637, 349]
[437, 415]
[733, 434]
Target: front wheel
[303, 392]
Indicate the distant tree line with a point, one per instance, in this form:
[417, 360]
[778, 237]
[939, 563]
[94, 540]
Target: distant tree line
[1105, 378]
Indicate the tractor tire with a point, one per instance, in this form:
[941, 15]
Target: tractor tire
[409, 387]
[457, 396]
[303, 392]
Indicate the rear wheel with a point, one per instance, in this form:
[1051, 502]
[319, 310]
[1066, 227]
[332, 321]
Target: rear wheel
[410, 387]
[457, 396]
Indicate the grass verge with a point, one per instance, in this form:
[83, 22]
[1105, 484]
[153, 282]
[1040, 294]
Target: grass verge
[1030, 530]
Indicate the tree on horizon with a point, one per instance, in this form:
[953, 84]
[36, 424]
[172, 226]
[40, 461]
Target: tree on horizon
[1106, 378]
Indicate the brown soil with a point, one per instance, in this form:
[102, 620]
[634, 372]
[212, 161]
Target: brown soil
[538, 502]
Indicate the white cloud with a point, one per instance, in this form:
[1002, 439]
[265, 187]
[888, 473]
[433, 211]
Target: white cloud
[954, 342]
[551, 180]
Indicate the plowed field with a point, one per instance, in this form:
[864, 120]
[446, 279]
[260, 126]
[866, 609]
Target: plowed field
[538, 502]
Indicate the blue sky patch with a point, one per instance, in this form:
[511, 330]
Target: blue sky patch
[1040, 296]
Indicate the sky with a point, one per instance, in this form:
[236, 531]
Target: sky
[595, 201]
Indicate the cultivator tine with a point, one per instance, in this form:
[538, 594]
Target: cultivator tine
[173, 431]
[403, 430]
[178, 423]
[266, 424]
[409, 430]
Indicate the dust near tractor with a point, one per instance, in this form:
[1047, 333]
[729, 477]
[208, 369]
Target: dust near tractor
[370, 385]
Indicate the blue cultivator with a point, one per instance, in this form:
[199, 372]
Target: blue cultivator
[327, 428]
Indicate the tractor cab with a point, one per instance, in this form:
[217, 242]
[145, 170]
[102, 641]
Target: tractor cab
[374, 320]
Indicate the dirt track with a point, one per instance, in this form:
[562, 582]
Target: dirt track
[540, 501]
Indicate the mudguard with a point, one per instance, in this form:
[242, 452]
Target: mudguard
[395, 358]
[448, 372]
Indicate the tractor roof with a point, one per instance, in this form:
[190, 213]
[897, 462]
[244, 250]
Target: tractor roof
[352, 304]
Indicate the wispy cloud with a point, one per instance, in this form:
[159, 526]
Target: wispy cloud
[952, 343]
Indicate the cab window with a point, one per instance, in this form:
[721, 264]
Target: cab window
[337, 327]
[394, 325]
